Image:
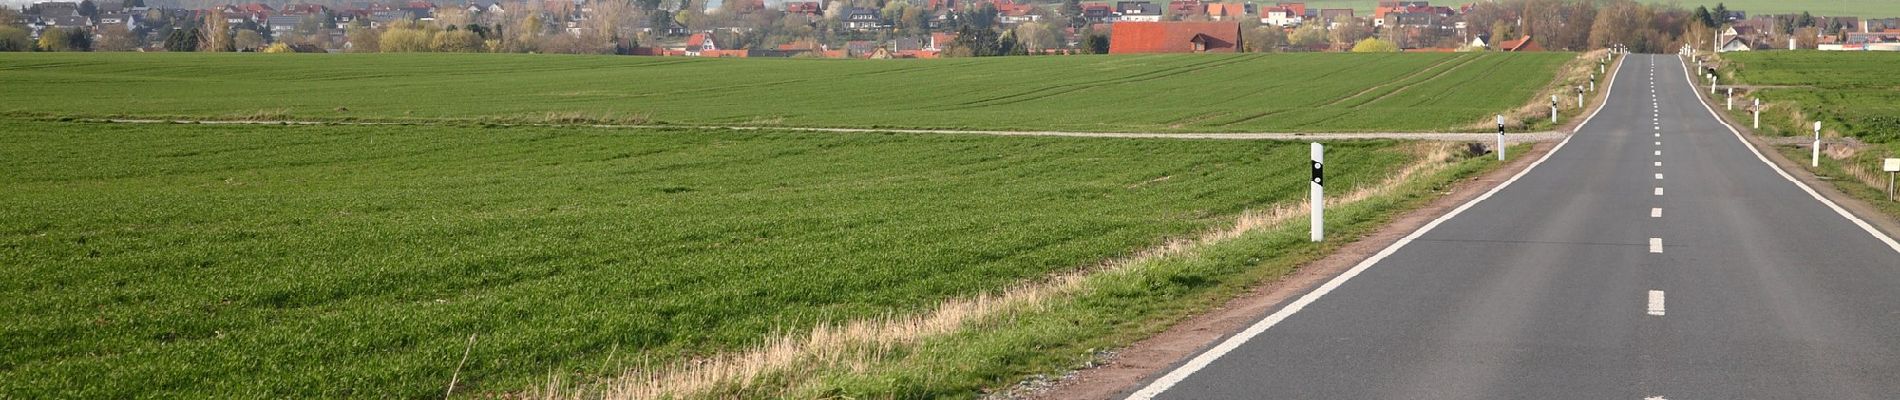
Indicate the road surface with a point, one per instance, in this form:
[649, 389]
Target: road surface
[1652, 255]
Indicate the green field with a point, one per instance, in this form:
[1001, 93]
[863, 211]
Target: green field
[1848, 8]
[330, 261]
[1853, 94]
[1237, 93]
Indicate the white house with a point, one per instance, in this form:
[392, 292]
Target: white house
[1281, 16]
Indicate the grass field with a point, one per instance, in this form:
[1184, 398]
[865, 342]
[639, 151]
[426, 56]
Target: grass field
[1248, 92]
[1850, 8]
[331, 261]
[1853, 94]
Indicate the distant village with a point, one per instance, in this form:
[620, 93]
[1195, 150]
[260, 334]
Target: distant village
[887, 28]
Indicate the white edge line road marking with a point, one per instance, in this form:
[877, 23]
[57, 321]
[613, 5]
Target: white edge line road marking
[1207, 357]
[1784, 174]
[1655, 245]
[1656, 303]
[1655, 212]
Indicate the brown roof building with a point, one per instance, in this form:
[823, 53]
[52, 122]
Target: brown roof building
[1174, 37]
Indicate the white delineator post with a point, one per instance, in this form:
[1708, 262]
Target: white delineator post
[1757, 113]
[1500, 137]
[1553, 109]
[1817, 145]
[1318, 202]
[1713, 82]
[1731, 99]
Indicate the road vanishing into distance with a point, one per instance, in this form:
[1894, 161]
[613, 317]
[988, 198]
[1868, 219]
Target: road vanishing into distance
[1653, 255]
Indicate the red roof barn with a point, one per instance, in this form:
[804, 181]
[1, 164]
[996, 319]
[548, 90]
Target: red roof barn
[1174, 37]
[1521, 44]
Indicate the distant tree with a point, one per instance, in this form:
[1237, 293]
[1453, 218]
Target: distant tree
[53, 40]
[1347, 35]
[1721, 15]
[1265, 38]
[1807, 38]
[130, 4]
[215, 35]
[362, 38]
[1072, 10]
[116, 38]
[1806, 20]
[1308, 36]
[983, 17]
[1038, 36]
[974, 42]
[247, 40]
[1095, 43]
[11, 17]
[1702, 15]
[406, 37]
[15, 39]
[1375, 45]
[88, 9]
[459, 41]
[184, 39]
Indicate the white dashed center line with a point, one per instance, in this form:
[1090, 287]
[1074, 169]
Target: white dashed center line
[1658, 176]
[1655, 212]
[1656, 303]
[1658, 191]
[1655, 245]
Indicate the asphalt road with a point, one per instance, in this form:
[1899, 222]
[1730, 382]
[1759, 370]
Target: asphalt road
[1653, 255]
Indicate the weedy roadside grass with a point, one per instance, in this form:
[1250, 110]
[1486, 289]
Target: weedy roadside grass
[1302, 92]
[1854, 95]
[356, 261]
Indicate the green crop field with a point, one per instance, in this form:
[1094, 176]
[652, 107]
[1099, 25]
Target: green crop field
[1855, 92]
[1231, 93]
[1850, 8]
[1852, 94]
[330, 261]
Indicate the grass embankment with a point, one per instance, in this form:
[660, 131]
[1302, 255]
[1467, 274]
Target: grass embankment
[1308, 92]
[1854, 95]
[330, 261]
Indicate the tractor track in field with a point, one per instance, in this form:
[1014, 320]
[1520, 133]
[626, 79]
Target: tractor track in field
[1421, 71]
[1409, 86]
[1524, 137]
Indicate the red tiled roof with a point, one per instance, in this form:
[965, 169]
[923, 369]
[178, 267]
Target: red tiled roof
[1226, 9]
[1297, 8]
[1521, 44]
[1174, 37]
